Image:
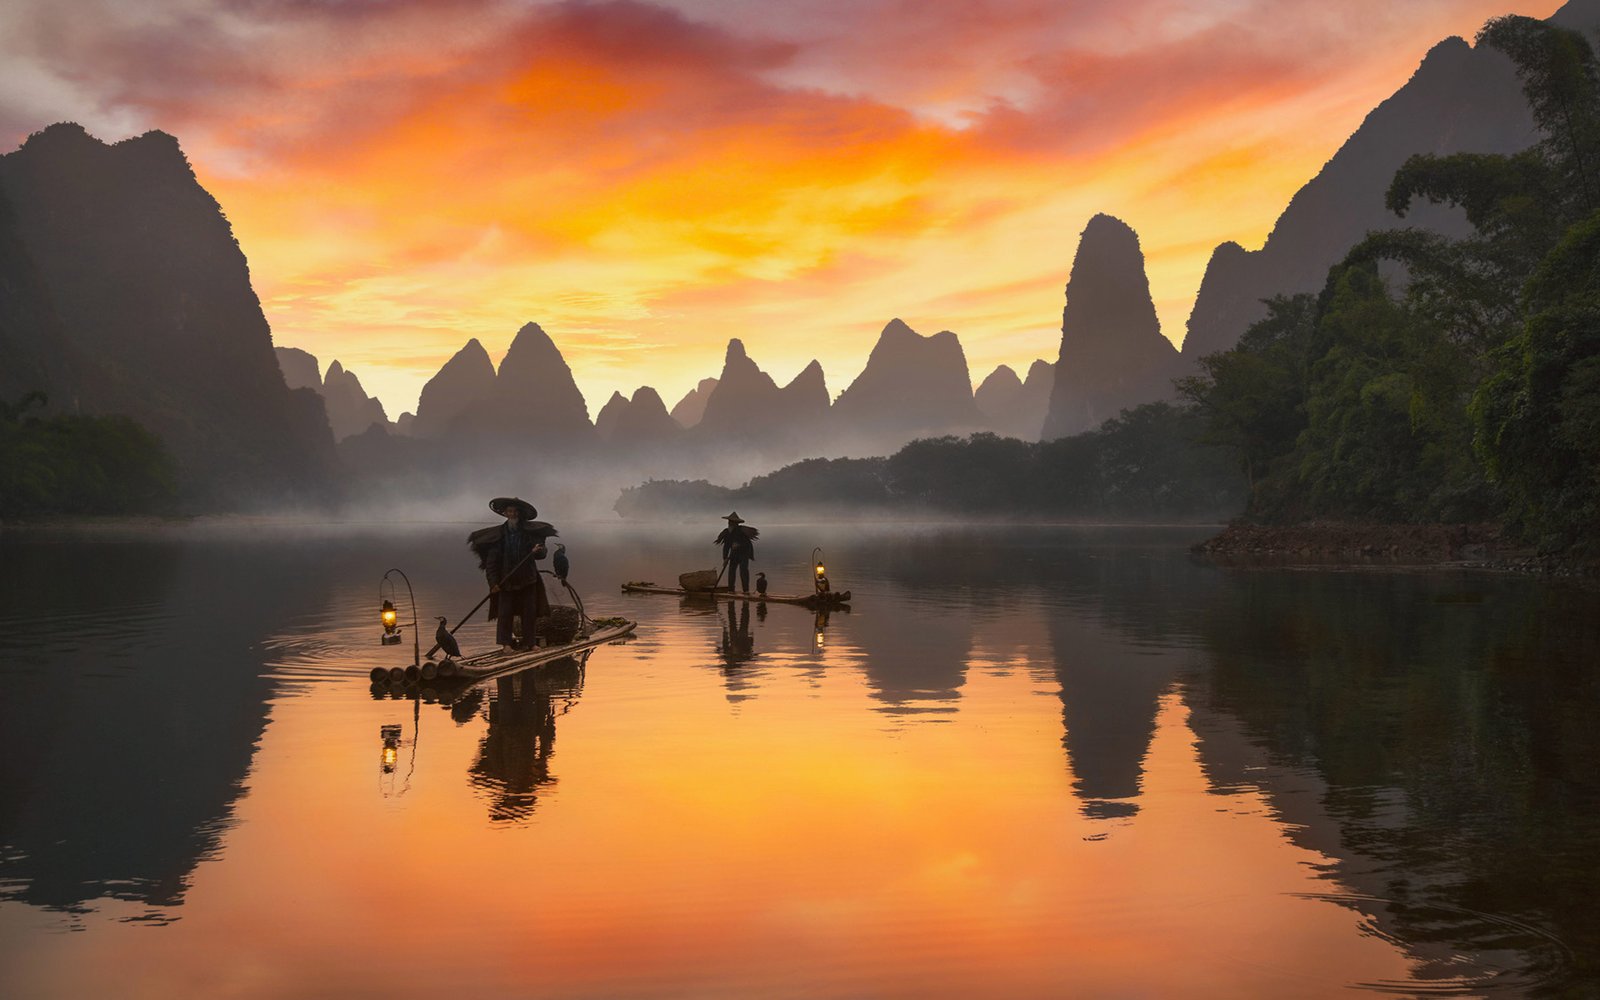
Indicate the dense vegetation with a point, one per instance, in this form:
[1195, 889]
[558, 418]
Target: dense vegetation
[1146, 464]
[1473, 395]
[71, 465]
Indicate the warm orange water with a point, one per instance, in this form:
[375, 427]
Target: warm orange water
[1021, 765]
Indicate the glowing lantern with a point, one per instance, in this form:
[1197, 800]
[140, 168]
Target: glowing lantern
[391, 626]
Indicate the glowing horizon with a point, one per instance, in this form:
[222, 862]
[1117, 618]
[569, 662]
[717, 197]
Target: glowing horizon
[648, 180]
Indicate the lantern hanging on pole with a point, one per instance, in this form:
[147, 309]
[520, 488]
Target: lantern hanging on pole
[391, 617]
[820, 572]
[391, 623]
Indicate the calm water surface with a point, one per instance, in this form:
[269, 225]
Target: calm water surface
[1028, 762]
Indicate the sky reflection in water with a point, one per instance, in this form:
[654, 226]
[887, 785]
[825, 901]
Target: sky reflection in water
[1025, 762]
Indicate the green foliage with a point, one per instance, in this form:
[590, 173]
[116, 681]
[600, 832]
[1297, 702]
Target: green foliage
[76, 465]
[672, 497]
[1562, 83]
[1387, 433]
[1253, 398]
[1146, 463]
[982, 473]
[1477, 393]
[819, 481]
[1539, 414]
[1154, 463]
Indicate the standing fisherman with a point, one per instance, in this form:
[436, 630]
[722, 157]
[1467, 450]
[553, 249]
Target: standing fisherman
[738, 548]
[507, 554]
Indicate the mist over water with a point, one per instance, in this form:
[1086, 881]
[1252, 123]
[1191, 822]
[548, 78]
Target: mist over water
[1026, 761]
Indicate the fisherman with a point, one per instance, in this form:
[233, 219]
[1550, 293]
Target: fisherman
[507, 554]
[738, 548]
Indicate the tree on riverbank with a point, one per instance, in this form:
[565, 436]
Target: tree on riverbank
[1476, 393]
[70, 464]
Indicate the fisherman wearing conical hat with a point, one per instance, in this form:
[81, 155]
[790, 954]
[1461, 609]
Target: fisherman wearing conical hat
[507, 554]
[738, 541]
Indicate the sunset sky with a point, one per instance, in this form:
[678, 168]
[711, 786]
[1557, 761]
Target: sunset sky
[647, 180]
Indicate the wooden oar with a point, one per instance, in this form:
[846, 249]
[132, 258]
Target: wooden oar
[485, 600]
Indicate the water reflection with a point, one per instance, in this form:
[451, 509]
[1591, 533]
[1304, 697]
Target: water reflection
[394, 742]
[135, 700]
[1107, 770]
[737, 644]
[914, 656]
[1110, 695]
[1439, 749]
[513, 762]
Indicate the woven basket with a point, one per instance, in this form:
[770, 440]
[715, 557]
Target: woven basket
[559, 626]
[700, 579]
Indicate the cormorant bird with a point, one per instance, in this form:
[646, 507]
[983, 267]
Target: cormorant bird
[559, 561]
[446, 641]
[761, 584]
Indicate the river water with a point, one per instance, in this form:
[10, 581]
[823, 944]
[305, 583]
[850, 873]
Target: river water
[1032, 762]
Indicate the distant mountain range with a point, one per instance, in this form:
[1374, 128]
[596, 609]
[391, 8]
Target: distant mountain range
[122, 290]
[912, 385]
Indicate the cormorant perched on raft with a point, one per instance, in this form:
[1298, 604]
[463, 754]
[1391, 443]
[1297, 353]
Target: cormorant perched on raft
[559, 561]
[761, 584]
[446, 641]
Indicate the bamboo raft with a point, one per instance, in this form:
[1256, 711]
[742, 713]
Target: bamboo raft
[829, 599]
[484, 666]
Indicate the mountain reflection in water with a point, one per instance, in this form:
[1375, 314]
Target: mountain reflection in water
[1027, 761]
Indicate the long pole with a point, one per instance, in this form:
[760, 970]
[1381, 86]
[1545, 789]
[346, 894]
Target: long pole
[486, 597]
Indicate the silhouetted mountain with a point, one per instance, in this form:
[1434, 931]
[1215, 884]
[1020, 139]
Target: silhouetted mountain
[533, 399]
[300, 368]
[1035, 401]
[535, 395]
[402, 423]
[912, 386]
[466, 378]
[160, 323]
[1113, 355]
[804, 401]
[998, 392]
[644, 421]
[1460, 99]
[605, 422]
[1012, 407]
[742, 406]
[692, 406]
[350, 409]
